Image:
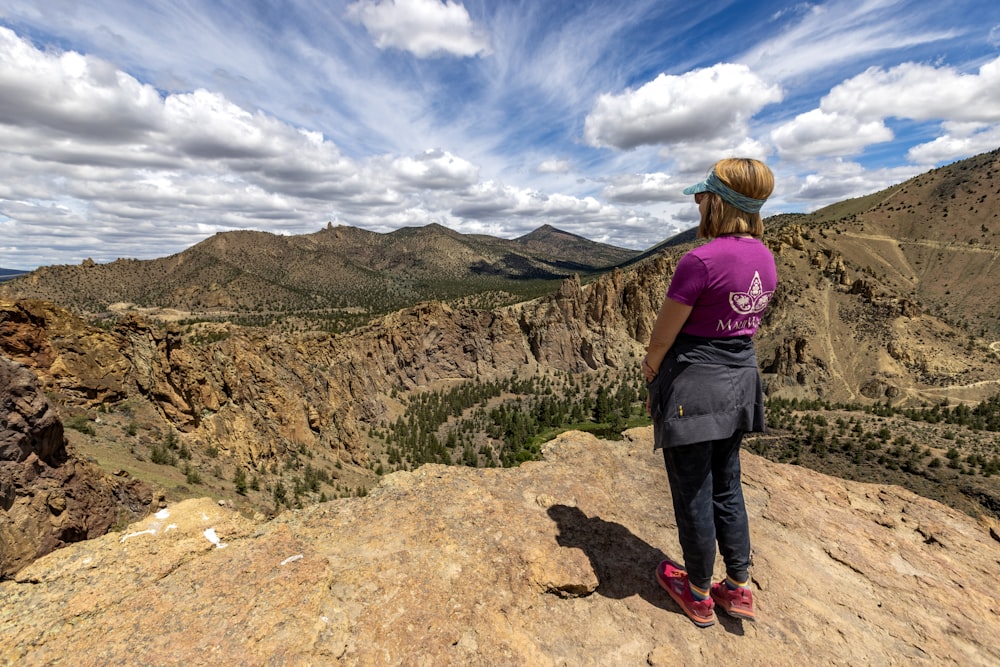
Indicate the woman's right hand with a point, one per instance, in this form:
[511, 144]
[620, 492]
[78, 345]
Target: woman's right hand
[648, 371]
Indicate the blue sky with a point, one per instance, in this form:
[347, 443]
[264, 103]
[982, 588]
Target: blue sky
[135, 129]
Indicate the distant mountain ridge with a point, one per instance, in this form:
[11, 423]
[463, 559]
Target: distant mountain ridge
[7, 274]
[336, 267]
[932, 238]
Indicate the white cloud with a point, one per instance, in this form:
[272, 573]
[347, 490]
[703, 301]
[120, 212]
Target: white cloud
[554, 166]
[837, 179]
[701, 104]
[425, 28]
[490, 199]
[71, 94]
[919, 92]
[644, 188]
[852, 115]
[958, 141]
[693, 160]
[818, 133]
[437, 170]
[207, 125]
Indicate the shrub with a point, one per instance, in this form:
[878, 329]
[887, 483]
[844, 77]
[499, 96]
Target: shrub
[80, 423]
[162, 456]
[191, 474]
[240, 480]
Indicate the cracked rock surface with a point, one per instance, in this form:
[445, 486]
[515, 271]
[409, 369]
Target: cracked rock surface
[550, 563]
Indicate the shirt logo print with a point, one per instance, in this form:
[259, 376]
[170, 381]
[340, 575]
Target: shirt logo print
[754, 300]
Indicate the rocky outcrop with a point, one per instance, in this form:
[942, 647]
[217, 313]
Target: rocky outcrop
[48, 497]
[31, 427]
[82, 363]
[546, 564]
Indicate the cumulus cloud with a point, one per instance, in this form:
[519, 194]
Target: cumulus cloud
[704, 103]
[437, 170]
[554, 166]
[818, 133]
[919, 92]
[836, 179]
[490, 206]
[102, 102]
[491, 199]
[643, 188]
[171, 137]
[959, 140]
[207, 125]
[852, 115]
[693, 160]
[425, 28]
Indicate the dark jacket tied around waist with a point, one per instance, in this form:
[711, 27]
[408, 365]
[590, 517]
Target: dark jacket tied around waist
[706, 389]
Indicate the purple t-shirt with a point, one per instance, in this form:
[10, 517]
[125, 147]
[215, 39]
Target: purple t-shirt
[728, 281]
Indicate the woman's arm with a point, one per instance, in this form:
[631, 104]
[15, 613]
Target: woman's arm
[670, 320]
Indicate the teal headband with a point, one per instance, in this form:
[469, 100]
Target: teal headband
[739, 200]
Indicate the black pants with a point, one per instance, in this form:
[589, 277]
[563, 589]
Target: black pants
[708, 506]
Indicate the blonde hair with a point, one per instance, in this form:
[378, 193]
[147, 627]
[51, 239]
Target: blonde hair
[748, 177]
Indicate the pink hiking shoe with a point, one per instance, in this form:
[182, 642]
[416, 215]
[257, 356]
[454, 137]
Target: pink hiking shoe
[674, 580]
[738, 602]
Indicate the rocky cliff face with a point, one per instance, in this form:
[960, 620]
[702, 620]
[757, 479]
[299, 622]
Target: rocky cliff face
[257, 397]
[550, 563]
[48, 496]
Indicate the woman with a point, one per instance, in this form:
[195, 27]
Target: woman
[704, 388]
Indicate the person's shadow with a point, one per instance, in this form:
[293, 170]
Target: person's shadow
[624, 564]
